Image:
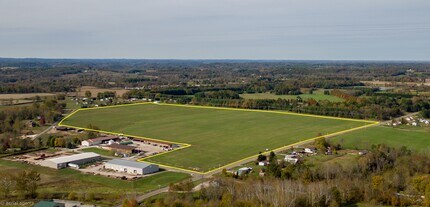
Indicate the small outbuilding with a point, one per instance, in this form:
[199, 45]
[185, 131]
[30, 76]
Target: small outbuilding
[131, 167]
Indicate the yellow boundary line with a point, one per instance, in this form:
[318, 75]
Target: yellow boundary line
[185, 145]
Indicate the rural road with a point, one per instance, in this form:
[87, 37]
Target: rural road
[45, 131]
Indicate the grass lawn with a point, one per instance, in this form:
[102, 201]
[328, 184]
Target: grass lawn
[99, 151]
[317, 95]
[69, 180]
[344, 158]
[217, 136]
[415, 138]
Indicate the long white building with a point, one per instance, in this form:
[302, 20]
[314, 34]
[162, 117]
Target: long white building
[131, 167]
[71, 160]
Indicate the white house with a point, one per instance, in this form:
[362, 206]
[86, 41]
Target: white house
[263, 163]
[293, 159]
[98, 140]
[311, 150]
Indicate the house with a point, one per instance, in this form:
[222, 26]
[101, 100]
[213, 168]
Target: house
[98, 140]
[263, 163]
[121, 149]
[311, 150]
[131, 167]
[71, 160]
[243, 171]
[362, 152]
[293, 159]
[49, 204]
[261, 173]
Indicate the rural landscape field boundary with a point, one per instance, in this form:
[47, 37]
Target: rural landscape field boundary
[185, 145]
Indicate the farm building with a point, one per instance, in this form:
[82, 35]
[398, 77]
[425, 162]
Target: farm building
[71, 160]
[98, 140]
[131, 167]
[121, 149]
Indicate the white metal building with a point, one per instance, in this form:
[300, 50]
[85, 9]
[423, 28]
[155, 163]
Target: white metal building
[98, 140]
[71, 160]
[131, 167]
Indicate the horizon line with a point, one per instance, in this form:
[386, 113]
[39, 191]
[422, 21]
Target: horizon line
[219, 59]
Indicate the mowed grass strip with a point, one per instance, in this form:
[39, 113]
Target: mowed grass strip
[414, 138]
[217, 136]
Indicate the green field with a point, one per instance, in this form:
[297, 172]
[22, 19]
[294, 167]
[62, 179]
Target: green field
[415, 138]
[317, 95]
[217, 136]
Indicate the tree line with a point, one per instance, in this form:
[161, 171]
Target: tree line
[384, 176]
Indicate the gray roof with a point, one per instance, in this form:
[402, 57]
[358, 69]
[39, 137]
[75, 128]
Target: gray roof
[128, 163]
[71, 158]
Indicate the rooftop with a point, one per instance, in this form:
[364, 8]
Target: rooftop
[103, 138]
[128, 163]
[120, 146]
[47, 204]
[75, 157]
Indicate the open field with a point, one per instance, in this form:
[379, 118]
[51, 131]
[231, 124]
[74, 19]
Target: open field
[69, 180]
[94, 91]
[23, 95]
[415, 138]
[218, 136]
[318, 96]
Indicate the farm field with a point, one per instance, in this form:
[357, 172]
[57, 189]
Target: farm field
[317, 95]
[218, 136]
[415, 138]
[94, 91]
[23, 95]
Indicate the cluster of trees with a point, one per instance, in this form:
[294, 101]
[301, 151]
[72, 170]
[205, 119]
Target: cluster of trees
[287, 89]
[222, 94]
[106, 94]
[24, 183]
[63, 142]
[385, 175]
[14, 119]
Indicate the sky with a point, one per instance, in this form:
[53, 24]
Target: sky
[217, 29]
